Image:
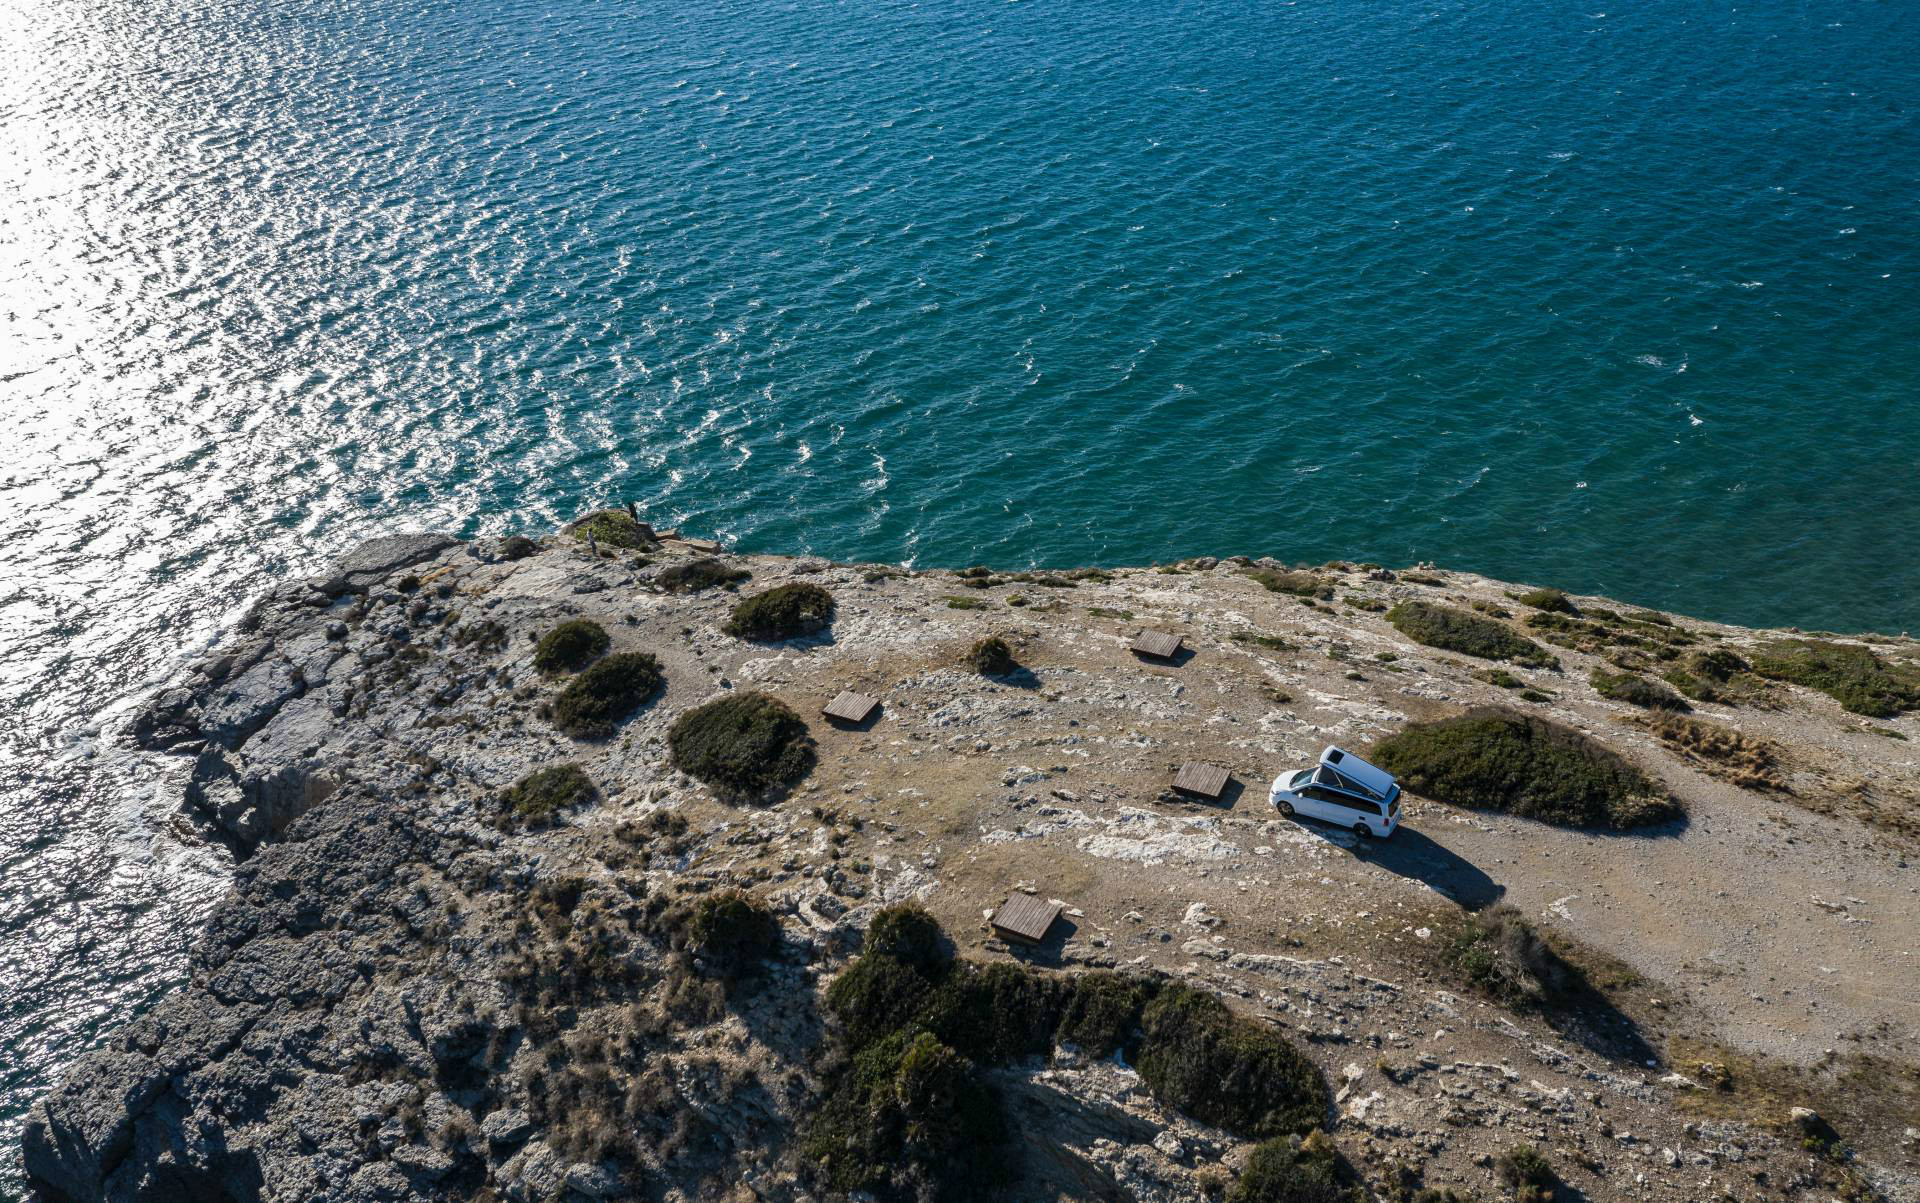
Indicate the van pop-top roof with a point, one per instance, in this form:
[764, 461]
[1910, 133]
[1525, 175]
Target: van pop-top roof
[1343, 769]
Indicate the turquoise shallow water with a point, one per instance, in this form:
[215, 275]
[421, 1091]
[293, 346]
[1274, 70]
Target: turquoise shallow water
[1620, 301]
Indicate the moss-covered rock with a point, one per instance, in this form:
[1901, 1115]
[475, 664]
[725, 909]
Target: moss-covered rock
[537, 797]
[991, 657]
[1636, 690]
[571, 646]
[605, 693]
[782, 612]
[1528, 766]
[613, 528]
[1469, 634]
[1200, 1058]
[743, 743]
[692, 576]
[1846, 672]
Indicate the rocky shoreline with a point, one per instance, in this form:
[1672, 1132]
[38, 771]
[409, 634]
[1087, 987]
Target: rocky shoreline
[412, 994]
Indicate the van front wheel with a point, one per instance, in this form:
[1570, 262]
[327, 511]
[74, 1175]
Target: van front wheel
[1363, 831]
[1286, 810]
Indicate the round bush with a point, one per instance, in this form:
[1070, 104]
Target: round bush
[695, 575]
[908, 933]
[991, 657]
[733, 930]
[1199, 1058]
[571, 646]
[782, 612]
[746, 742]
[1277, 1173]
[606, 693]
[1500, 760]
[876, 995]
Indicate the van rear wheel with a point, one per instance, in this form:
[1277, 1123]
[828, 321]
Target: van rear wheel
[1286, 810]
[1363, 831]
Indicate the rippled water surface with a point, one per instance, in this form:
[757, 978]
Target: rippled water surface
[1620, 301]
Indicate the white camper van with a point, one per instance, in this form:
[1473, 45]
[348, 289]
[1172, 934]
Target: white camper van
[1343, 790]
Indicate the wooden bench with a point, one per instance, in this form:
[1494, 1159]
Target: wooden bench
[851, 707]
[1202, 780]
[1025, 918]
[1157, 644]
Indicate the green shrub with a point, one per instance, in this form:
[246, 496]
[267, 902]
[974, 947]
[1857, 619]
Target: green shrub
[1296, 584]
[877, 994]
[965, 603]
[995, 1013]
[991, 657]
[1528, 766]
[1526, 1170]
[1637, 691]
[613, 528]
[1276, 1172]
[1200, 1058]
[733, 931]
[1848, 673]
[1101, 1012]
[537, 797]
[571, 646]
[1458, 631]
[1547, 599]
[743, 742]
[909, 934]
[1535, 695]
[782, 612]
[909, 1120]
[605, 693]
[695, 575]
[1502, 955]
[1502, 678]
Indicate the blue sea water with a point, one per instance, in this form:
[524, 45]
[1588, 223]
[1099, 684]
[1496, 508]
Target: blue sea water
[1621, 298]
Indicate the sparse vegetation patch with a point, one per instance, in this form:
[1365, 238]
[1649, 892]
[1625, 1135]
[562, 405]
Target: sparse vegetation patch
[1721, 751]
[782, 612]
[605, 693]
[1848, 673]
[1524, 765]
[537, 797]
[745, 742]
[1714, 675]
[1636, 690]
[1297, 584]
[1458, 631]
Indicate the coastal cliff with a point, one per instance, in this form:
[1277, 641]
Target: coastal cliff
[518, 915]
